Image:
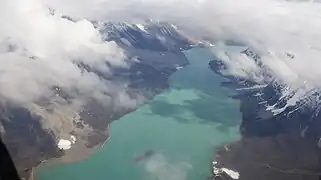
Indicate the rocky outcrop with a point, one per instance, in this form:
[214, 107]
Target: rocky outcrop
[284, 157]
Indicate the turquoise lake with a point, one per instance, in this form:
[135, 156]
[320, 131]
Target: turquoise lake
[182, 126]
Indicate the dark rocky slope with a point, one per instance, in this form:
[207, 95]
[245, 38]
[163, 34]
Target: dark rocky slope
[284, 146]
[32, 134]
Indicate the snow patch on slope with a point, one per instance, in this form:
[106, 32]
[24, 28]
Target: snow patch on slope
[64, 144]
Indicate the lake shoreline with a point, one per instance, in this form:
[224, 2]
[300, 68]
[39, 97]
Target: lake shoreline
[85, 152]
[188, 88]
[280, 146]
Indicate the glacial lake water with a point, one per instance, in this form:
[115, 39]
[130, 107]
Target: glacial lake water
[182, 127]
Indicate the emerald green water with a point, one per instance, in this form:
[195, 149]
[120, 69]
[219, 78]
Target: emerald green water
[183, 126]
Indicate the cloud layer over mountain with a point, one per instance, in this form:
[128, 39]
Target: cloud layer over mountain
[39, 49]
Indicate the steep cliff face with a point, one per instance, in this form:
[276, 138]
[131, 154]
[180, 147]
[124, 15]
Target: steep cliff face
[52, 129]
[283, 145]
[153, 36]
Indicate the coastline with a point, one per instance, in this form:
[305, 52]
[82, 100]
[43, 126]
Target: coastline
[74, 155]
[70, 158]
[58, 161]
[88, 124]
[279, 147]
[281, 157]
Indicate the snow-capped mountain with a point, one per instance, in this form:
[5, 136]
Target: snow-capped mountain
[154, 36]
[270, 107]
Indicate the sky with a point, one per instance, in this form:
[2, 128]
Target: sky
[272, 28]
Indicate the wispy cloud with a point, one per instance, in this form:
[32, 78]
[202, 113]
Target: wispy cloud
[158, 167]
